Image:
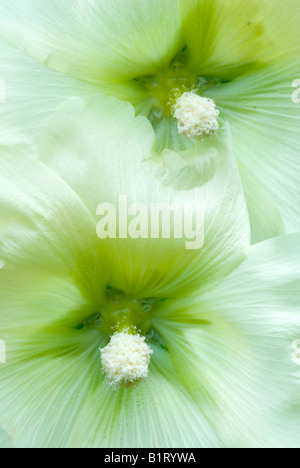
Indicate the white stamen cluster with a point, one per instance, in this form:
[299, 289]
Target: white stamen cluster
[197, 116]
[126, 359]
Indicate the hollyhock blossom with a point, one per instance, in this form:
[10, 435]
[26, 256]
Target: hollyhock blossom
[243, 56]
[124, 342]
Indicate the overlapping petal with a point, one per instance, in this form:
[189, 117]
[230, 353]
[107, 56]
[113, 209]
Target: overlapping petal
[103, 152]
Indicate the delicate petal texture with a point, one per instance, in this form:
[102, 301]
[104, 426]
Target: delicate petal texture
[32, 92]
[47, 380]
[5, 440]
[238, 363]
[225, 38]
[95, 40]
[156, 414]
[265, 218]
[265, 124]
[101, 150]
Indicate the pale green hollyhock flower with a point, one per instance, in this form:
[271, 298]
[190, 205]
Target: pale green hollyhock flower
[221, 328]
[244, 55]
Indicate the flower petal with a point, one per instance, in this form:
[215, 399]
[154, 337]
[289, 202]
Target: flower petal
[265, 218]
[265, 126]
[46, 381]
[51, 260]
[238, 363]
[95, 40]
[103, 152]
[32, 92]
[157, 413]
[225, 40]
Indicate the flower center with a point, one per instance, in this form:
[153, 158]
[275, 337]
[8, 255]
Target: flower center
[126, 359]
[128, 324]
[177, 95]
[197, 116]
[167, 86]
[122, 312]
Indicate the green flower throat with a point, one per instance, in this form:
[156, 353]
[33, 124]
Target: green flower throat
[163, 90]
[121, 312]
